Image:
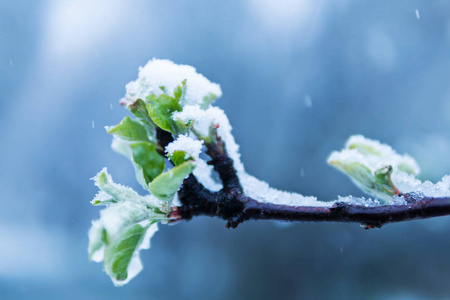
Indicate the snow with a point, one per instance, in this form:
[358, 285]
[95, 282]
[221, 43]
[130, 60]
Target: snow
[159, 73]
[375, 155]
[440, 189]
[192, 147]
[262, 192]
[189, 113]
[369, 202]
[362, 201]
[203, 172]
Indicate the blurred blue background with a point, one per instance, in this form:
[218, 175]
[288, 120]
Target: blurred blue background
[298, 77]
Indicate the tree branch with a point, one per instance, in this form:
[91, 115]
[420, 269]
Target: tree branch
[369, 217]
[232, 205]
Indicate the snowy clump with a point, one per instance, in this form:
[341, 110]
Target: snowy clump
[204, 173]
[367, 161]
[160, 75]
[191, 147]
[367, 202]
[189, 113]
[262, 192]
[374, 155]
[440, 189]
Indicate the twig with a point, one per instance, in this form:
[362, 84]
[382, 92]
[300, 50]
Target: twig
[232, 205]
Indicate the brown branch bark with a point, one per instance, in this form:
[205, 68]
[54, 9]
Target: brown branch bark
[232, 205]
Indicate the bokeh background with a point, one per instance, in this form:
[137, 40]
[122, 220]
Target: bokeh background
[298, 77]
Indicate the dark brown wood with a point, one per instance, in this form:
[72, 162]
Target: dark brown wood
[232, 205]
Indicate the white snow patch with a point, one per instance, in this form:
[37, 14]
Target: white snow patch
[189, 113]
[192, 147]
[262, 192]
[159, 73]
[203, 172]
[374, 155]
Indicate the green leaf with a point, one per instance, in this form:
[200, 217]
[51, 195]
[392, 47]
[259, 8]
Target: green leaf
[161, 109]
[167, 184]
[180, 92]
[139, 110]
[383, 180]
[129, 130]
[147, 161]
[377, 185]
[163, 89]
[178, 157]
[359, 173]
[121, 260]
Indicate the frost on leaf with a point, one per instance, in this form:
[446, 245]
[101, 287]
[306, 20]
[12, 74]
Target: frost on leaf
[124, 228]
[381, 172]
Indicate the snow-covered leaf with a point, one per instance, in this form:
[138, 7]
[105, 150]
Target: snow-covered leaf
[123, 229]
[121, 256]
[184, 148]
[374, 167]
[114, 193]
